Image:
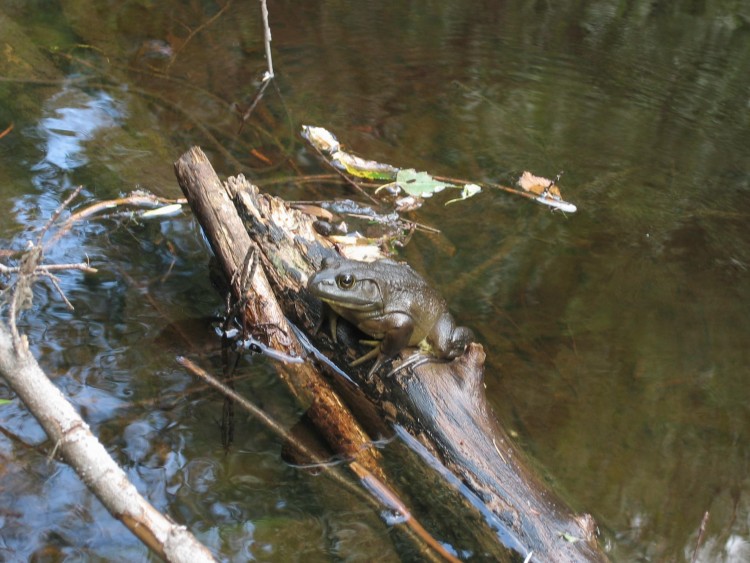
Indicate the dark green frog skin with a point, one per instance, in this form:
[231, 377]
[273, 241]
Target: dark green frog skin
[392, 303]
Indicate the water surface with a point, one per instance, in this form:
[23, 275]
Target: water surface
[616, 336]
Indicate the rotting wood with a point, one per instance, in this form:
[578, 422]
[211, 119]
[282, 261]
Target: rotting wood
[441, 406]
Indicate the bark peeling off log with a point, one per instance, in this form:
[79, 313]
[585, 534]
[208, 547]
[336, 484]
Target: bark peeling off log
[443, 404]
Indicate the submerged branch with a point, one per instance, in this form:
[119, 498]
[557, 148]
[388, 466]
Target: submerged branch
[196, 31]
[381, 496]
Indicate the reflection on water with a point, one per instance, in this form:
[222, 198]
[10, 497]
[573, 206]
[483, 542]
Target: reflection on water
[616, 337]
[76, 118]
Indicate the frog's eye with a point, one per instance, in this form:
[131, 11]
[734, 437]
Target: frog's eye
[345, 281]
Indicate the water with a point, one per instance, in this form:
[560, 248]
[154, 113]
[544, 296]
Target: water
[616, 337]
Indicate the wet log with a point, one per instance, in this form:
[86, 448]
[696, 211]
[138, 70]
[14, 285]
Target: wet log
[438, 409]
[232, 246]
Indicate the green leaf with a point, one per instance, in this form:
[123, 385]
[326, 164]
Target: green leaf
[570, 538]
[467, 191]
[5, 401]
[419, 184]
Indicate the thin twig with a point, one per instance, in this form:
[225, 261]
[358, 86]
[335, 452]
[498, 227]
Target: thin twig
[701, 533]
[267, 421]
[268, 76]
[245, 116]
[527, 195]
[57, 213]
[383, 494]
[46, 268]
[135, 199]
[267, 40]
[195, 32]
[393, 502]
[56, 283]
[308, 179]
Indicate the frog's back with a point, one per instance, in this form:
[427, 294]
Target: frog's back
[409, 293]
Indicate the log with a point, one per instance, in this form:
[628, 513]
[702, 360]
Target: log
[231, 244]
[438, 409]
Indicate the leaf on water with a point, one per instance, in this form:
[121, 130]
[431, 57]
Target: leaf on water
[419, 184]
[164, 211]
[320, 138]
[466, 192]
[408, 203]
[358, 247]
[314, 210]
[326, 142]
[362, 168]
[546, 191]
[538, 185]
[5, 402]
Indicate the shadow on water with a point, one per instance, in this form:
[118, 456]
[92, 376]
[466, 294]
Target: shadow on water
[616, 337]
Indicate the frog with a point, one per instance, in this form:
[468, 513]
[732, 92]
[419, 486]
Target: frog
[392, 303]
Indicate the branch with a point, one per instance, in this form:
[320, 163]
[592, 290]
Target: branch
[67, 430]
[135, 199]
[267, 40]
[46, 268]
[88, 457]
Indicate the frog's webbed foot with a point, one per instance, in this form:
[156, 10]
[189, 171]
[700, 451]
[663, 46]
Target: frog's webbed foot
[415, 360]
[460, 339]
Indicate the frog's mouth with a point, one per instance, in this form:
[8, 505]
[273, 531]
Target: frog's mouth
[351, 305]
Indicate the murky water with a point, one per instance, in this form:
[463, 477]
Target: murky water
[616, 337]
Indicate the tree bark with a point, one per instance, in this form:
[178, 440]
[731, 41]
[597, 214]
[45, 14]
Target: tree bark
[438, 409]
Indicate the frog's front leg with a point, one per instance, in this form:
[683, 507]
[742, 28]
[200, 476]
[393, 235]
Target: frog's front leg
[396, 337]
[329, 316]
